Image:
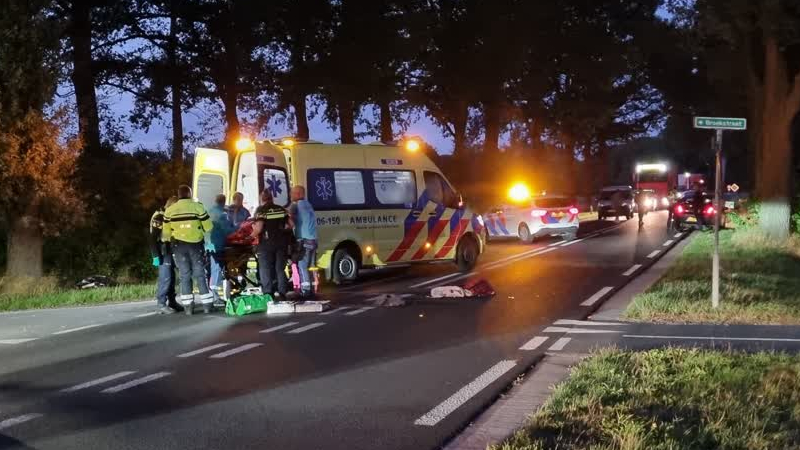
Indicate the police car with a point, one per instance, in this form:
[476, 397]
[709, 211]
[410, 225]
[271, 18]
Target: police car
[544, 216]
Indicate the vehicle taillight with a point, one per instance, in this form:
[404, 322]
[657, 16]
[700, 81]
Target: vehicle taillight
[573, 210]
[679, 209]
[538, 213]
[709, 210]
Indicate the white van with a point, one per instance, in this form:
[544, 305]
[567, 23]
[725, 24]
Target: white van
[376, 205]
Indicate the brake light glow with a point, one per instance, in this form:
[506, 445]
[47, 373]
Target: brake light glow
[709, 210]
[679, 209]
[573, 210]
[538, 213]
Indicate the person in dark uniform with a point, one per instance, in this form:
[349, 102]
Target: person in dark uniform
[161, 251]
[272, 226]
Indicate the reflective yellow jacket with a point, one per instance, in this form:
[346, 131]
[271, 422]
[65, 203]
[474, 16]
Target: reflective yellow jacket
[186, 221]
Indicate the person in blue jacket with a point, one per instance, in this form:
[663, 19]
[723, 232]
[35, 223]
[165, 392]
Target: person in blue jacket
[216, 245]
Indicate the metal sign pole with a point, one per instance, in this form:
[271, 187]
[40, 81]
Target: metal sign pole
[717, 215]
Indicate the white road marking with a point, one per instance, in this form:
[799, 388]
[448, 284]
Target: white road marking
[72, 330]
[534, 343]
[335, 310]
[282, 326]
[306, 328]
[515, 258]
[425, 283]
[559, 344]
[578, 330]
[597, 296]
[710, 338]
[556, 244]
[677, 235]
[632, 270]
[587, 323]
[102, 380]
[239, 349]
[8, 423]
[463, 395]
[575, 241]
[203, 350]
[653, 254]
[151, 313]
[668, 243]
[16, 341]
[359, 311]
[136, 382]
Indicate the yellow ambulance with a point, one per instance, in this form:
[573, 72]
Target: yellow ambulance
[376, 204]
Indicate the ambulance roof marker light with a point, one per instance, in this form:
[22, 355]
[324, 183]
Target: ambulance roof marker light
[244, 143]
[412, 145]
[288, 142]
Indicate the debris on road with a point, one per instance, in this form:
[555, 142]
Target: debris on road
[472, 289]
[389, 300]
[95, 281]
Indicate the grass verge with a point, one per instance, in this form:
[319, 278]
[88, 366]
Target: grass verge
[671, 399]
[52, 297]
[760, 283]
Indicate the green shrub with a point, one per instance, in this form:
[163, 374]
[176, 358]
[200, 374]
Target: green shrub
[746, 216]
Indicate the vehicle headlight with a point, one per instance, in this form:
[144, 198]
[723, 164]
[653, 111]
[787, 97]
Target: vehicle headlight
[480, 220]
[649, 202]
[664, 201]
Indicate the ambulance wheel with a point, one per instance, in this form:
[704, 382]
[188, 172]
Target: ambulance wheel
[466, 254]
[525, 234]
[345, 265]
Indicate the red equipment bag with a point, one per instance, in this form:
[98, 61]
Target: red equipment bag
[243, 236]
[479, 287]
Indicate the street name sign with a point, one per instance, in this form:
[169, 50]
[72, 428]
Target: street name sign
[720, 123]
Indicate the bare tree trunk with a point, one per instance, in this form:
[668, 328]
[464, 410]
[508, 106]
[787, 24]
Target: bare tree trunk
[230, 103]
[387, 134]
[80, 36]
[781, 104]
[461, 116]
[177, 111]
[347, 121]
[25, 248]
[535, 131]
[301, 118]
[491, 123]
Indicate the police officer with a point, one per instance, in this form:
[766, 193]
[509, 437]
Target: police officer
[272, 226]
[161, 252]
[185, 224]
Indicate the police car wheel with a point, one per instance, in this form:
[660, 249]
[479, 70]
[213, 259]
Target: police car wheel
[525, 234]
[466, 254]
[345, 266]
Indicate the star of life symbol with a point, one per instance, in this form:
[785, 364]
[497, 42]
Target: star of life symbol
[324, 188]
[274, 186]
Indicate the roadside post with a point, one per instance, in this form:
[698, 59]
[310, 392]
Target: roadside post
[719, 124]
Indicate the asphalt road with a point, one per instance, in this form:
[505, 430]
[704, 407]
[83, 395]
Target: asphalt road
[354, 378]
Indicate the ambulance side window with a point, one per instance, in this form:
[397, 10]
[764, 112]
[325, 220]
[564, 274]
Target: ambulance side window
[336, 189]
[439, 191]
[395, 188]
[275, 180]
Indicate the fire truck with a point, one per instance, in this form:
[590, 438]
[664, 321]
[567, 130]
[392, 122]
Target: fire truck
[659, 177]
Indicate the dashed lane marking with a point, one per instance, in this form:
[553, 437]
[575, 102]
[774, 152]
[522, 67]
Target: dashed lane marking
[102, 380]
[677, 235]
[147, 314]
[559, 344]
[653, 254]
[306, 328]
[233, 351]
[8, 423]
[136, 382]
[359, 311]
[586, 323]
[85, 327]
[534, 343]
[463, 395]
[336, 310]
[668, 243]
[578, 330]
[567, 244]
[203, 350]
[597, 296]
[16, 341]
[279, 327]
[710, 338]
[425, 283]
[632, 270]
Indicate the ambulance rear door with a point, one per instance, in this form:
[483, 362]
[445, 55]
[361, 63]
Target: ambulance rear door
[211, 175]
[273, 171]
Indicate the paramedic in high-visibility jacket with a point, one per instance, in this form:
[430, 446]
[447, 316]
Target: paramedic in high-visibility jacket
[185, 225]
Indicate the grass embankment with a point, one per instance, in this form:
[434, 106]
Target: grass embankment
[760, 283]
[45, 293]
[671, 399]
